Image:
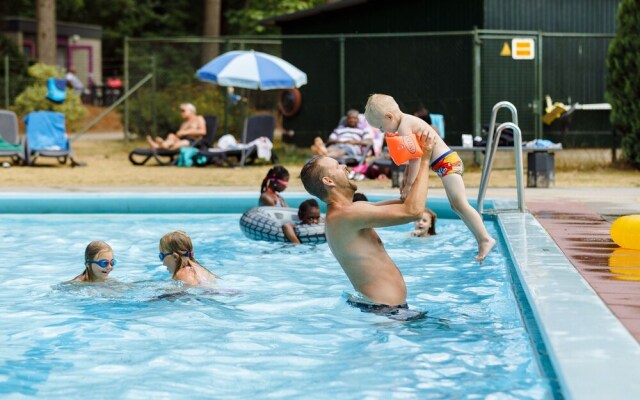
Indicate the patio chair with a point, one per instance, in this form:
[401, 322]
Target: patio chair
[47, 137]
[11, 145]
[170, 157]
[245, 153]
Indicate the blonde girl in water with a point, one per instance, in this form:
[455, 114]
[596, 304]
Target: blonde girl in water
[176, 253]
[98, 262]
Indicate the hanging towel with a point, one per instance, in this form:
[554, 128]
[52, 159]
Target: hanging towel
[264, 146]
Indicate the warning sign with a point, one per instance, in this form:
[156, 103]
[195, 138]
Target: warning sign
[523, 49]
[506, 51]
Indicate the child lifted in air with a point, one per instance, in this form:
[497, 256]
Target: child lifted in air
[426, 225]
[308, 213]
[383, 112]
[176, 253]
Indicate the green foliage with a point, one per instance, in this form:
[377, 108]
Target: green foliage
[34, 97]
[623, 64]
[244, 21]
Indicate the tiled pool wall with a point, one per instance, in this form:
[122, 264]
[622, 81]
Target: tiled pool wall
[593, 355]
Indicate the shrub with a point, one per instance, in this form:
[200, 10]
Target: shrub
[623, 63]
[34, 97]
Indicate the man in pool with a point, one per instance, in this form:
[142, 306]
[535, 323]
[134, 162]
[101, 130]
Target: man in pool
[350, 225]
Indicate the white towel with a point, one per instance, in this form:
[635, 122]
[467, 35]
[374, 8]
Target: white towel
[264, 147]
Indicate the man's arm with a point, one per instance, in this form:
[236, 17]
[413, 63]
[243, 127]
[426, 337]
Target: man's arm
[366, 215]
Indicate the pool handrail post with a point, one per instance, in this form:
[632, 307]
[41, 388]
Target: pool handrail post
[492, 147]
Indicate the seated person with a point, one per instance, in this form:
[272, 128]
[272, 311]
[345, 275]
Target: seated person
[309, 213]
[193, 127]
[426, 225]
[347, 140]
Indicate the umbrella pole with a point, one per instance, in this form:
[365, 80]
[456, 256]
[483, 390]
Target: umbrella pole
[226, 112]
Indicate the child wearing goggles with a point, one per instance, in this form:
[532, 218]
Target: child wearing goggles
[176, 253]
[275, 182]
[98, 262]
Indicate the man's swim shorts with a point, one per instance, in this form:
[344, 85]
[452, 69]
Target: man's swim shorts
[448, 163]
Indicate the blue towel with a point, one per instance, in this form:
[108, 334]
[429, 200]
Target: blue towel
[57, 90]
[46, 131]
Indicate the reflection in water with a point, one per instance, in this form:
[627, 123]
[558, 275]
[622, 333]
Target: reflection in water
[625, 264]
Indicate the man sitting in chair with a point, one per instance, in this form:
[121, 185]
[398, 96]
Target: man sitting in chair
[346, 140]
[193, 128]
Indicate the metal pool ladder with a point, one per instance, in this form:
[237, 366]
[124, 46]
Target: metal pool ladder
[492, 147]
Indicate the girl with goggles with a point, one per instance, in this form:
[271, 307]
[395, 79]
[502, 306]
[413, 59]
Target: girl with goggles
[98, 264]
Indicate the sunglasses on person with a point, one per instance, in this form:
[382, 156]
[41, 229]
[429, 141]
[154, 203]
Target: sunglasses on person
[104, 263]
[162, 255]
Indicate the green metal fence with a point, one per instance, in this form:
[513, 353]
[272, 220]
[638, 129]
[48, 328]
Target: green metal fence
[458, 74]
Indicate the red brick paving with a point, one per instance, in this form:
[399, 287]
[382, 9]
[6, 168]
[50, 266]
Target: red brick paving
[583, 236]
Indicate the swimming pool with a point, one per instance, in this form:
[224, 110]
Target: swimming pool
[278, 326]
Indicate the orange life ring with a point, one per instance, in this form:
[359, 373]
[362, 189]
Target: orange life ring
[290, 102]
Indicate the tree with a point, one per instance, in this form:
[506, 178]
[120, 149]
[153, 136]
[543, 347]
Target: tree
[46, 28]
[211, 28]
[623, 63]
[244, 20]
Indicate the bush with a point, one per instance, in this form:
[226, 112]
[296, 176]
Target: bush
[34, 97]
[623, 63]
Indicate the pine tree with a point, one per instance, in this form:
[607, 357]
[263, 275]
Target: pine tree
[623, 86]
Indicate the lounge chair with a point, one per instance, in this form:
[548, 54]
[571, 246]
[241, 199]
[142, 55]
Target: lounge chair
[170, 157]
[245, 153]
[47, 137]
[10, 145]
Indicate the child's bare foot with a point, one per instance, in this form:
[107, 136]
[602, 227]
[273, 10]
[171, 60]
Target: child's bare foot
[318, 147]
[484, 248]
[153, 145]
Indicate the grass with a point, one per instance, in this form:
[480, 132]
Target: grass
[108, 166]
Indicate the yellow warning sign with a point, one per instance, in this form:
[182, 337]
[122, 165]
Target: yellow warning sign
[523, 49]
[506, 50]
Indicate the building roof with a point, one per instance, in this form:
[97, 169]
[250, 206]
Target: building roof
[322, 9]
[29, 25]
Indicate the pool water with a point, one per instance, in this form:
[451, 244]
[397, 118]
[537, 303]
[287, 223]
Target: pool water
[277, 325]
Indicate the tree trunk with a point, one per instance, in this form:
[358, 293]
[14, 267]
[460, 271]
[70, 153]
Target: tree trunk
[211, 29]
[46, 31]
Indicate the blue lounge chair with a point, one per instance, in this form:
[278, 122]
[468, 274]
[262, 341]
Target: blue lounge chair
[47, 137]
[10, 143]
[170, 157]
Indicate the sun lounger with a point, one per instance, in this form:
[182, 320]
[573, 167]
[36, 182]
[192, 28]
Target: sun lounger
[170, 157]
[10, 143]
[47, 137]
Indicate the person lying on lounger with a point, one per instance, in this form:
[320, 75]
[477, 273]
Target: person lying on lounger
[193, 127]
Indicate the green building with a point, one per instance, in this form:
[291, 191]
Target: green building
[456, 58]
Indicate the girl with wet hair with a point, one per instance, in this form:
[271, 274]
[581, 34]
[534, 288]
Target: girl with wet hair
[98, 262]
[275, 182]
[176, 253]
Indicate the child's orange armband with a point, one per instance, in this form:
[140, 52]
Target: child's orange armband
[402, 148]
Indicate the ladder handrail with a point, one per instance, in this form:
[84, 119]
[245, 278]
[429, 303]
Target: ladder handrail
[492, 147]
[487, 164]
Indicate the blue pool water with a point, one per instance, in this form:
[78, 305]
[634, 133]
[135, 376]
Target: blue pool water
[277, 326]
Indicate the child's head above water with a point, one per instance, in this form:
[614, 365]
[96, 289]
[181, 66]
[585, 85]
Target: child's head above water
[426, 225]
[276, 180]
[176, 250]
[98, 261]
[309, 212]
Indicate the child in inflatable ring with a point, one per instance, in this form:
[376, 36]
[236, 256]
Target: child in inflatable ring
[309, 213]
[383, 112]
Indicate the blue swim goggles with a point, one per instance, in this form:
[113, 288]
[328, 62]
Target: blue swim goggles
[104, 263]
[163, 255]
